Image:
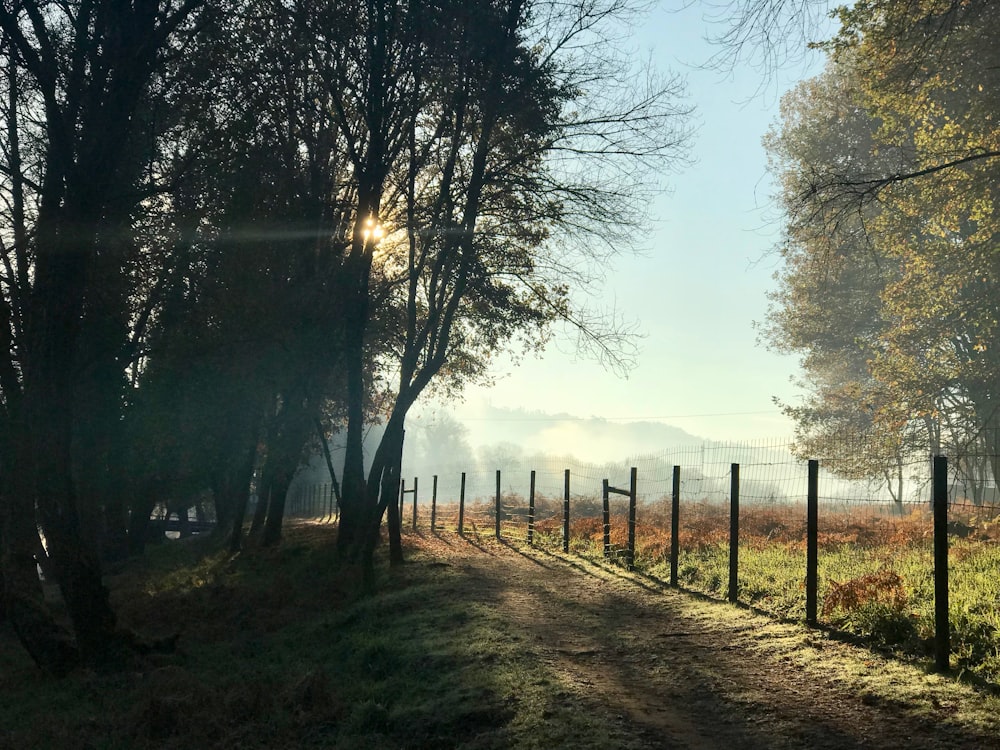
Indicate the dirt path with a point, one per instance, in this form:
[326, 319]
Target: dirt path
[683, 672]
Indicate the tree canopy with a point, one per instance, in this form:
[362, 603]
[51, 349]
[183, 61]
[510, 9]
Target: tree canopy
[227, 226]
[887, 165]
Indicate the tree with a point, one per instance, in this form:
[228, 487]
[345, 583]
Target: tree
[828, 306]
[260, 214]
[89, 68]
[480, 148]
[923, 320]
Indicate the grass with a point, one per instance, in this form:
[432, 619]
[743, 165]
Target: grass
[283, 649]
[863, 559]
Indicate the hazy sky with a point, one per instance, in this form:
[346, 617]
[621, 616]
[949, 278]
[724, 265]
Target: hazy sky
[703, 281]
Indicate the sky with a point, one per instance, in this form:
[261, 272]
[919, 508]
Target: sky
[696, 289]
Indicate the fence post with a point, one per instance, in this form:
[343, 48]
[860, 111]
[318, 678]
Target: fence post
[566, 511]
[942, 628]
[461, 506]
[402, 495]
[434, 502]
[812, 542]
[606, 510]
[499, 509]
[675, 517]
[734, 533]
[531, 509]
[631, 518]
[415, 480]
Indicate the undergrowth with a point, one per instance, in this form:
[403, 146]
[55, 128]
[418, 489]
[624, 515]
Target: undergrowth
[284, 649]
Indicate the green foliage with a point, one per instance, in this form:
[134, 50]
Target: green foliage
[886, 165]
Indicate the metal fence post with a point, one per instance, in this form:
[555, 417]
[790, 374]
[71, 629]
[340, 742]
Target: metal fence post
[499, 509]
[566, 511]
[531, 509]
[675, 517]
[812, 542]
[434, 502]
[606, 509]
[734, 533]
[942, 627]
[415, 479]
[461, 506]
[631, 518]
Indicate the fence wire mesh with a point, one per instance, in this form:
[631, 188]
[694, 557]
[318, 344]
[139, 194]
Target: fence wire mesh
[875, 536]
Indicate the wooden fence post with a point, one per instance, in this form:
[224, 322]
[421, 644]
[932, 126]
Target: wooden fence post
[812, 543]
[734, 533]
[499, 509]
[566, 511]
[461, 506]
[675, 517]
[402, 497]
[942, 627]
[531, 509]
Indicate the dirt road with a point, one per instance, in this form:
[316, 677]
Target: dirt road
[679, 671]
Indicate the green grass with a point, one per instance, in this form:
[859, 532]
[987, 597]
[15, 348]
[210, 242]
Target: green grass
[284, 650]
[772, 578]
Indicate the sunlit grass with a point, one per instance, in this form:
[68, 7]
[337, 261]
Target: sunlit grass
[853, 548]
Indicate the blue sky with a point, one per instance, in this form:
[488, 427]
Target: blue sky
[701, 282]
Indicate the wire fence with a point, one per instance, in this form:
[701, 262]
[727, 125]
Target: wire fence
[743, 521]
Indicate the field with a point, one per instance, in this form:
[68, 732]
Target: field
[473, 644]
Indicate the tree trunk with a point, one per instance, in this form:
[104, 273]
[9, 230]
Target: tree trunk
[138, 522]
[260, 510]
[114, 537]
[351, 533]
[351, 530]
[386, 467]
[390, 495]
[329, 462]
[57, 303]
[276, 508]
[296, 419]
[49, 645]
[239, 491]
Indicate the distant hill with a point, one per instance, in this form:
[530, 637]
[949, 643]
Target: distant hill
[515, 441]
[585, 438]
